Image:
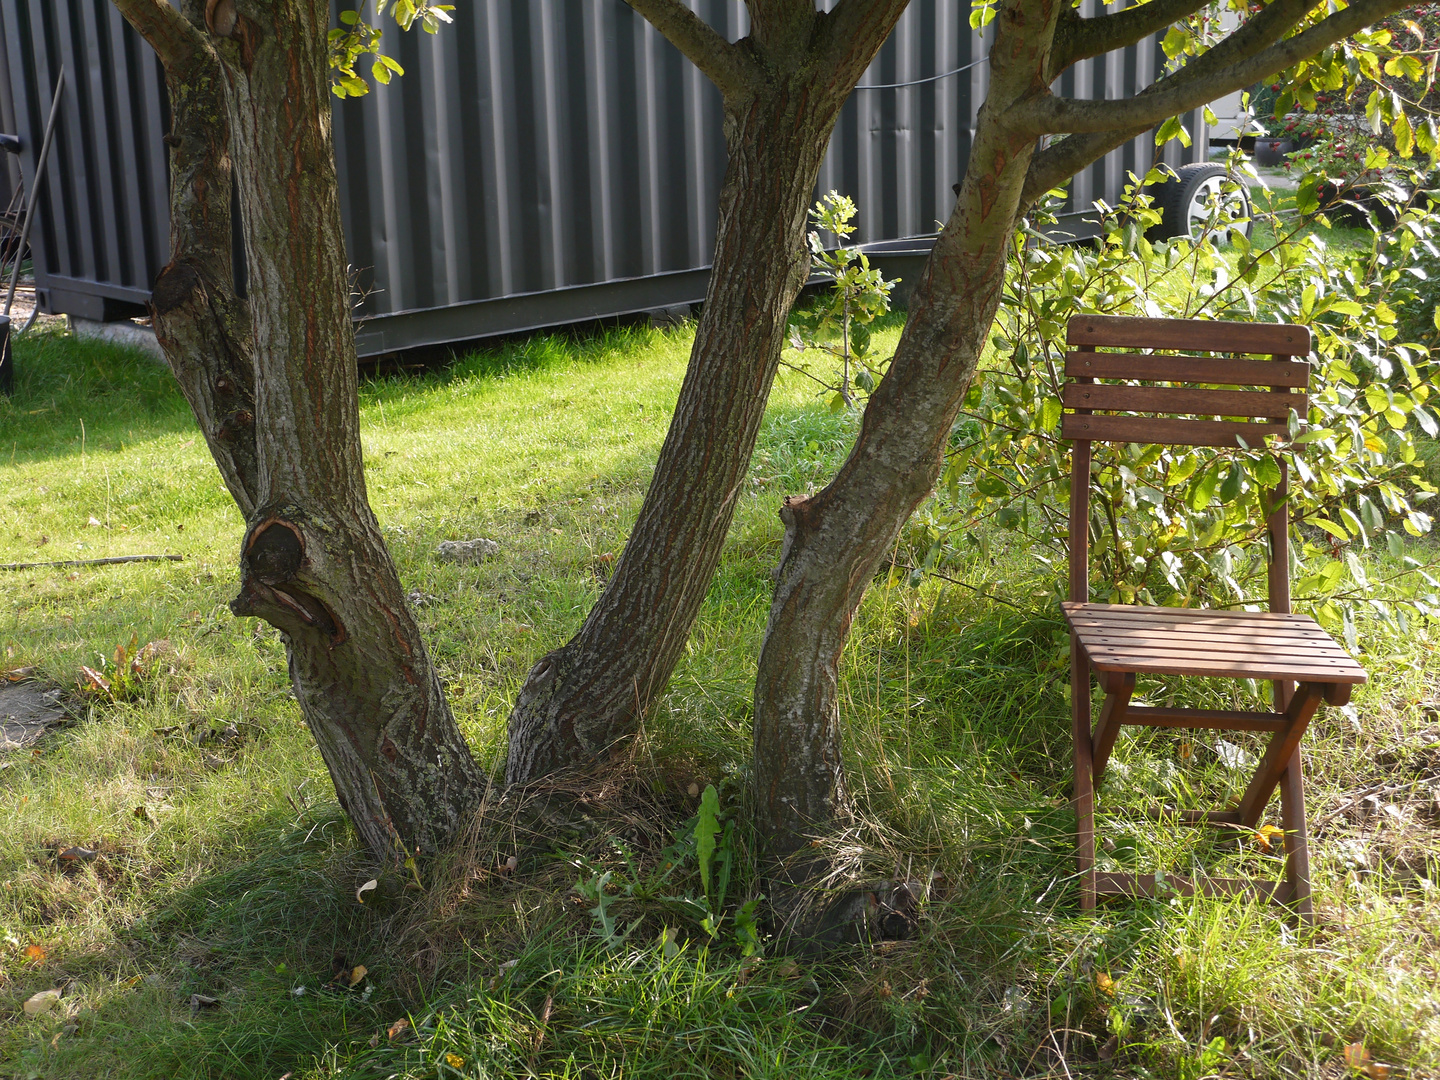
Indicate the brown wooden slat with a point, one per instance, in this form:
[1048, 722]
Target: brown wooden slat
[1110, 884]
[1331, 669]
[1147, 430]
[1194, 618]
[1195, 335]
[1216, 719]
[1141, 629]
[1174, 400]
[1160, 652]
[1101, 610]
[1289, 648]
[1193, 369]
[1237, 669]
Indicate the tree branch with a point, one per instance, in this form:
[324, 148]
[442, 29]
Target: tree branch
[849, 31]
[1196, 83]
[718, 60]
[174, 40]
[1079, 39]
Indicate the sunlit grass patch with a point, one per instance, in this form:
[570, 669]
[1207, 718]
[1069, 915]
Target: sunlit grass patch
[224, 868]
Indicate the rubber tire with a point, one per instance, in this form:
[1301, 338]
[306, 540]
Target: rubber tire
[1173, 199]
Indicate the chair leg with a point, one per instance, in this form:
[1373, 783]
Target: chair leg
[1084, 778]
[1297, 843]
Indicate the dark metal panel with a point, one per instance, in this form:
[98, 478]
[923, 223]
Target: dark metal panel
[9, 166]
[538, 156]
[101, 221]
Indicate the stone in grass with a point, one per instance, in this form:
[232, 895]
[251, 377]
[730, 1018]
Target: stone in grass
[467, 552]
[26, 710]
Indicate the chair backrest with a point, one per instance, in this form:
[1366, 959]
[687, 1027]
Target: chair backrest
[1181, 382]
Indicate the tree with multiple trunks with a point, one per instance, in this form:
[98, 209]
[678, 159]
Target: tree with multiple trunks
[272, 378]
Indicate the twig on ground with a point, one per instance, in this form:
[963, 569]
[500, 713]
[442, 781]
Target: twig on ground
[91, 562]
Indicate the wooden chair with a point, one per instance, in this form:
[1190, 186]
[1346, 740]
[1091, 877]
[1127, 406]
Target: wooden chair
[1140, 395]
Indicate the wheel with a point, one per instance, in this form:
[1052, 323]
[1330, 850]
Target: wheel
[1192, 195]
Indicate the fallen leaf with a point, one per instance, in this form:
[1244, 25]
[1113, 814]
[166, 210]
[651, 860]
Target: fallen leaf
[42, 1002]
[1107, 1052]
[398, 1028]
[1268, 835]
[77, 855]
[1356, 1056]
[36, 954]
[19, 674]
[374, 1040]
[93, 681]
[788, 969]
[363, 889]
[202, 1001]
[357, 974]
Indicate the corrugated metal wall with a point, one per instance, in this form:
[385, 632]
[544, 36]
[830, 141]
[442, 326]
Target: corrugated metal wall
[9, 164]
[542, 161]
[101, 237]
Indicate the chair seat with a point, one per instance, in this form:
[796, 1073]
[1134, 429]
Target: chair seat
[1223, 644]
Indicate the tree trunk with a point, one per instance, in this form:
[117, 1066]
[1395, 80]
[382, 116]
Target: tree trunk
[313, 562]
[836, 540]
[590, 694]
[203, 327]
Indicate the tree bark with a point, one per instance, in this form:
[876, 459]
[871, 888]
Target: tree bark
[202, 326]
[313, 562]
[835, 540]
[589, 695]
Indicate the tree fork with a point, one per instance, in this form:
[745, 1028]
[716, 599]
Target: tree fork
[783, 88]
[835, 541]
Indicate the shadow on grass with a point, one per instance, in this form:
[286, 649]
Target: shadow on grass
[246, 936]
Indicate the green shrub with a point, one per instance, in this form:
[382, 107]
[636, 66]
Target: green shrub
[1185, 526]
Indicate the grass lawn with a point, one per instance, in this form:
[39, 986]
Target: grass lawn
[204, 939]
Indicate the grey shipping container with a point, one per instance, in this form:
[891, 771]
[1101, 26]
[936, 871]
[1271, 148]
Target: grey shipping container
[542, 162]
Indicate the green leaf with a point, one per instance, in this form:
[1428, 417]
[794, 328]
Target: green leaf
[1050, 411]
[1204, 488]
[1181, 469]
[1230, 489]
[707, 827]
[1328, 526]
[1267, 471]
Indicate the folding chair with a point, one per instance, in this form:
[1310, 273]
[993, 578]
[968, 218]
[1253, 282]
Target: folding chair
[1163, 386]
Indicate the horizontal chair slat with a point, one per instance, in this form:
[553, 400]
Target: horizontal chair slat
[1171, 400]
[1220, 719]
[1259, 668]
[1200, 369]
[1147, 429]
[1191, 335]
[1206, 615]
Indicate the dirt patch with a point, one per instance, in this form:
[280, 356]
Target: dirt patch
[26, 710]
